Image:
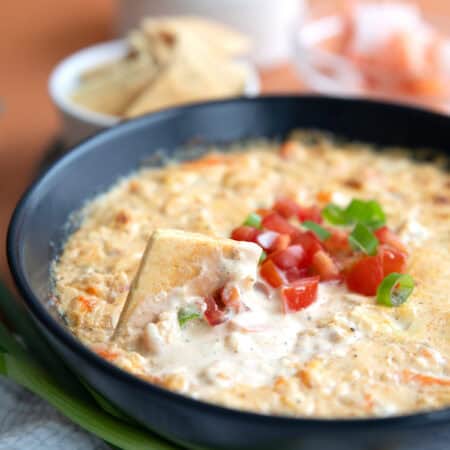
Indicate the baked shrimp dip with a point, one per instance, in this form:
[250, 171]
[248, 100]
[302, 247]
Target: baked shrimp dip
[307, 278]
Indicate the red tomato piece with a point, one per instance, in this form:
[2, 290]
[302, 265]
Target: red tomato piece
[245, 233]
[281, 243]
[286, 207]
[292, 256]
[393, 260]
[310, 243]
[387, 236]
[277, 223]
[323, 265]
[271, 241]
[312, 213]
[337, 242]
[271, 274]
[365, 275]
[231, 298]
[295, 273]
[213, 314]
[299, 294]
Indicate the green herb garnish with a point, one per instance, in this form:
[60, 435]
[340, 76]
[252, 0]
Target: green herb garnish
[361, 238]
[395, 289]
[334, 214]
[253, 220]
[263, 257]
[368, 213]
[187, 314]
[318, 230]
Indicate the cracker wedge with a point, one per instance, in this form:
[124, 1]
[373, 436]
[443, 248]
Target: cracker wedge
[196, 73]
[177, 259]
[223, 40]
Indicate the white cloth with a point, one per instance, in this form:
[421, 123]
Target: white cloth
[29, 423]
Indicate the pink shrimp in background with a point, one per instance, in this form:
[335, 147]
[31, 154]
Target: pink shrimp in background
[395, 48]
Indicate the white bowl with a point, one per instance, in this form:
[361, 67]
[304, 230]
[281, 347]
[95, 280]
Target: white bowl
[79, 122]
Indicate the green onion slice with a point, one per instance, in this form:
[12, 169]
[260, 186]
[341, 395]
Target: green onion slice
[395, 289]
[187, 314]
[318, 230]
[334, 214]
[253, 220]
[369, 213]
[361, 238]
[263, 257]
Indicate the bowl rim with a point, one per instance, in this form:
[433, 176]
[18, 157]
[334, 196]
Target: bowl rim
[41, 314]
[108, 51]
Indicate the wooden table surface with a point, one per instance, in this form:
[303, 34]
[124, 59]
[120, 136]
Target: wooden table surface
[35, 36]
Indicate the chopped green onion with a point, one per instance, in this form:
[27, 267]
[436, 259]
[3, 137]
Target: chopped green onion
[395, 289]
[334, 214]
[253, 220]
[187, 314]
[18, 365]
[361, 238]
[319, 231]
[367, 212]
[263, 257]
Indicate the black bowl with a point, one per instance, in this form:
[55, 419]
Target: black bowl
[38, 225]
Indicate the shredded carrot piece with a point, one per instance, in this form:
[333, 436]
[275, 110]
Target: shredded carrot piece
[86, 304]
[368, 399]
[424, 380]
[206, 161]
[263, 212]
[92, 290]
[305, 377]
[106, 354]
[324, 196]
[287, 149]
[279, 383]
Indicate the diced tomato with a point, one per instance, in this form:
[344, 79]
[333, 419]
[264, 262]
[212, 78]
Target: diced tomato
[286, 207]
[299, 294]
[387, 236]
[310, 243]
[231, 298]
[295, 273]
[245, 233]
[213, 314]
[323, 265]
[281, 243]
[365, 275]
[271, 241]
[277, 223]
[292, 256]
[312, 213]
[271, 274]
[393, 260]
[337, 242]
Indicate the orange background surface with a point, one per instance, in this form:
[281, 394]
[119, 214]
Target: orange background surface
[35, 35]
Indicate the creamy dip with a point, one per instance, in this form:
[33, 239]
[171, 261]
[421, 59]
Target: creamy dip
[342, 356]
